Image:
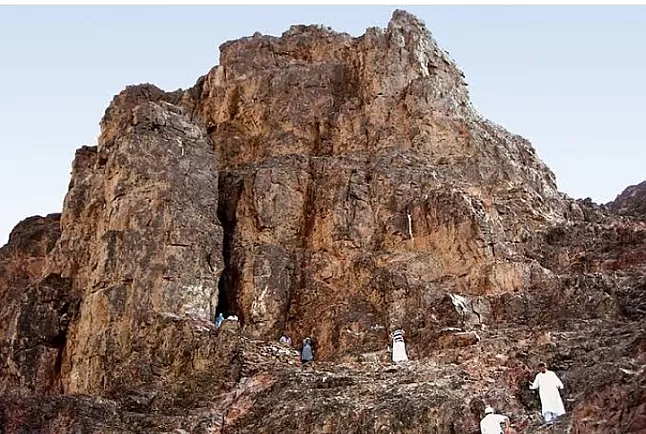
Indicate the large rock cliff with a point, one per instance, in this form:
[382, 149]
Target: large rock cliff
[359, 184]
[631, 201]
[318, 185]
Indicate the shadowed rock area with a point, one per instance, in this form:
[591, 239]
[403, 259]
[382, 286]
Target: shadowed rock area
[317, 184]
[631, 202]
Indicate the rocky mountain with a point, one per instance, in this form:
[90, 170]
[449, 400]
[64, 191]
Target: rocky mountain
[631, 202]
[317, 184]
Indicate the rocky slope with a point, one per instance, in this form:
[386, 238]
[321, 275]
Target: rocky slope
[318, 185]
[631, 202]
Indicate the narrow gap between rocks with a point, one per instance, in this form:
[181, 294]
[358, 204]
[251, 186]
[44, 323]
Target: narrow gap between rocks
[230, 188]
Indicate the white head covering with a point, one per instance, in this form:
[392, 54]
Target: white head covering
[489, 410]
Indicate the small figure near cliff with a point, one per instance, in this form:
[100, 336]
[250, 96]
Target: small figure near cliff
[307, 352]
[548, 385]
[218, 320]
[285, 340]
[399, 347]
[490, 424]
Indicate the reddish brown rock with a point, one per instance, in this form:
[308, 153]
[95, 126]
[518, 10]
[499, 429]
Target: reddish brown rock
[141, 242]
[318, 185]
[35, 309]
[361, 186]
[24, 255]
[631, 202]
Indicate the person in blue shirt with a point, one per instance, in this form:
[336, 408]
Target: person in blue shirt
[307, 352]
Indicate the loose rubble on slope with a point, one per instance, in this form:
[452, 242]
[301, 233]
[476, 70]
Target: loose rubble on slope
[321, 185]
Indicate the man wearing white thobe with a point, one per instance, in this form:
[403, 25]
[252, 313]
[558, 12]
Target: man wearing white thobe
[399, 347]
[491, 423]
[548, 385]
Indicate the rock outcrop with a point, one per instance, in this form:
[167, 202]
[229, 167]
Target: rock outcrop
[35, 311]
[361, 186]
[141, 242]
[631, 202]
[319, 185]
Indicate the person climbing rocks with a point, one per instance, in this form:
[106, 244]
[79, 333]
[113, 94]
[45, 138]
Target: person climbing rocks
[399, 347]
[307, 351]
[285, 340]
[548, 385]
[218, 320]
[490, 423]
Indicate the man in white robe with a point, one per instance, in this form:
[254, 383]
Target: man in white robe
[399, 347]
[285, 340]
[548, 385]
[492, 423]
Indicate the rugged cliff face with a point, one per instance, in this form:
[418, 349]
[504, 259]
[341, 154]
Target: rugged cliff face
[318, 185]
[631, 201]
[360, 185]
[34, 313]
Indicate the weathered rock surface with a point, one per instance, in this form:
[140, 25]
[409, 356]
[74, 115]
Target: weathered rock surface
[360, 185]
[631, 202]
[142, 243]
[319, 185]
[35, 309]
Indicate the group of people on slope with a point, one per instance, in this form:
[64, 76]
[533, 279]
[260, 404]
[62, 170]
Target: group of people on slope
[546, 382]
[220, 319]
[548, 385]
[307, 347]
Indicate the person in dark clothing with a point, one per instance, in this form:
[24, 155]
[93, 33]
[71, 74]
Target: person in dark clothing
[307, 351]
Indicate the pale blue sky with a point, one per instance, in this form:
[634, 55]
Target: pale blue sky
[570, 79]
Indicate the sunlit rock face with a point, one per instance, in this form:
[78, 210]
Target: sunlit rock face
[360, 185]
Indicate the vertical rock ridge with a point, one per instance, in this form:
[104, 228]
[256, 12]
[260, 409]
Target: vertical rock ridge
[140, 237]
